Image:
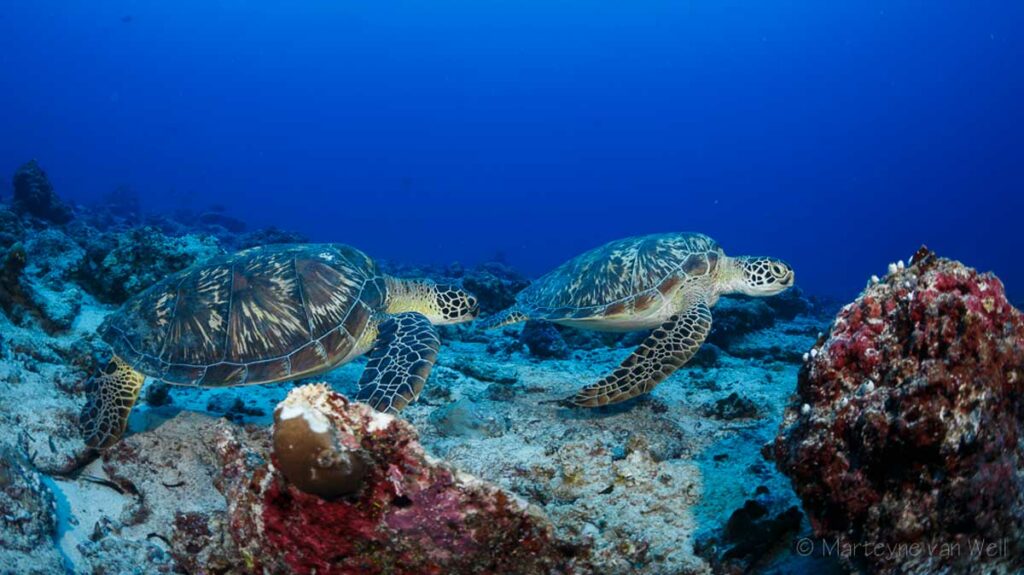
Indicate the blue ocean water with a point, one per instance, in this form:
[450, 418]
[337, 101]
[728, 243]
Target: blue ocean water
[838, 135]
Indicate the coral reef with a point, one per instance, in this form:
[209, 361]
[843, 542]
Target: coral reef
[543, 340]
[34, 195]
[123, 202]
[221, 220]
[638, 485]
[52, 258]
[27, 518]
[791, 303]
[906, 427]
[13, 264]
[11, 229]
[735, 317]
[494, 284]
[143, 256]
[262, 237]
[404, 514]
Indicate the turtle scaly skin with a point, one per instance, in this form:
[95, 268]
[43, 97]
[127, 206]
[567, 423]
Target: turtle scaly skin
[271, 314]
[664, 282]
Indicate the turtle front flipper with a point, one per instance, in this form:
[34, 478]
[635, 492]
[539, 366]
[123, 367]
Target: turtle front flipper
[399, 362]
[502, 318]
[667, 349]
[110, 397]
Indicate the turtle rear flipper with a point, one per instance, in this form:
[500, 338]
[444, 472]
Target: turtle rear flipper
[399, 363]
[667, 349]
[110, 397]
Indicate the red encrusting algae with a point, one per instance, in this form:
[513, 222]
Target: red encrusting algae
[907, 421]
[413, 515]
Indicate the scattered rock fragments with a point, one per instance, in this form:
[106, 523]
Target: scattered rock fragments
[466, 418]
[732, 406]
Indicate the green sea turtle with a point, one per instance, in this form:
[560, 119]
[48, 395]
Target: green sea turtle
[668, 282]
[271, 314]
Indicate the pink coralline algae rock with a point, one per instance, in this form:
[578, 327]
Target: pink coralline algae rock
[907, 425]
[394, 511]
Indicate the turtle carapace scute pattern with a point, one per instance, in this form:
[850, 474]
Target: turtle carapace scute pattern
[269, 314]
[665, 282]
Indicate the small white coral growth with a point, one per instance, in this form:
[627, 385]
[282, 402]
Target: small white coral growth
[307, 402]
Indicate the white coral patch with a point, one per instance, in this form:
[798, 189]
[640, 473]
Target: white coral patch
[314, 419]
[379, 421]
[308, 402]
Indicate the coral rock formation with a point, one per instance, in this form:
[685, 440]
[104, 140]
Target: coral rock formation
[736, 317]
[907, 424]
[34, 195]
[749, 536]
[222, 220]
[314, 455]
[397, 512]
[144, 256]
[495, 285]
[544, 340]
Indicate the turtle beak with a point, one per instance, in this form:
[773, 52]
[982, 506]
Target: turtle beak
[790, 279]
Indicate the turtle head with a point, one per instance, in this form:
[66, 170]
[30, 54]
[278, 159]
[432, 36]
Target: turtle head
[761, 276]
[443, 304]
[453, 305]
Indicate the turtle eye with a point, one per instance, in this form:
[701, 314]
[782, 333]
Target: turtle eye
[778, 270]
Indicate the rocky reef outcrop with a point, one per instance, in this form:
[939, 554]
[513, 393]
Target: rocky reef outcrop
[495, 285]
[34, 195]
[350, 490]
[142, 257]
[904, 440]
[543, 340]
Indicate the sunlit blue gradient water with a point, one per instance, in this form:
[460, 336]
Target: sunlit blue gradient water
[837, 135]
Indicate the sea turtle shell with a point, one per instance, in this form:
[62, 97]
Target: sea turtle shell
[621, 277]
[265, 314]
